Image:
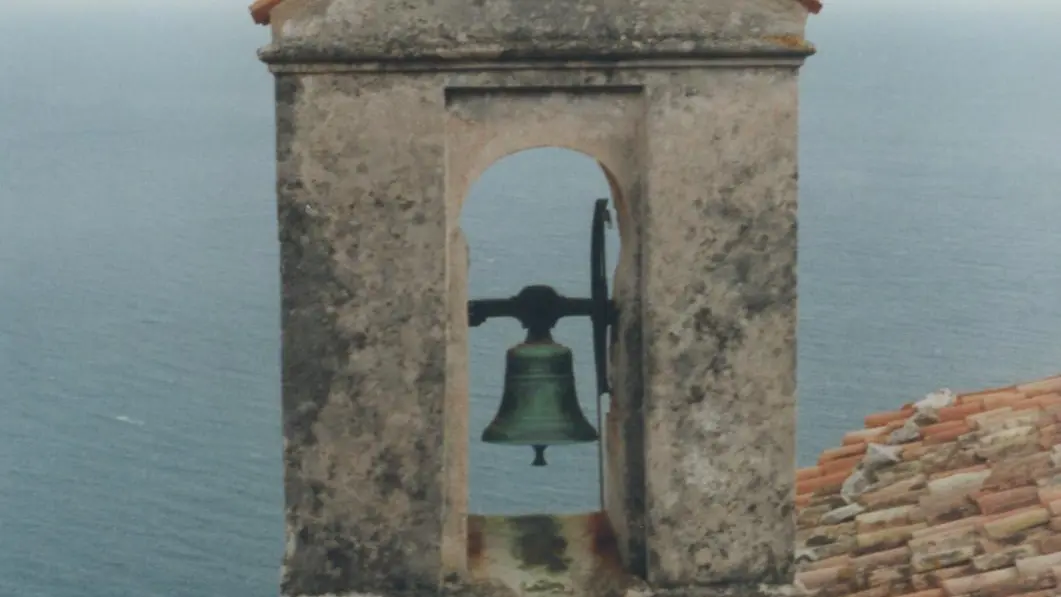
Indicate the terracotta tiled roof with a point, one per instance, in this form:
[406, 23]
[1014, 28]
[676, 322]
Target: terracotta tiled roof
[956, 495]
[261, 8]
[812, 6]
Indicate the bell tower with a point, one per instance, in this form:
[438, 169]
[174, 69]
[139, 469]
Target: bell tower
[386, 112]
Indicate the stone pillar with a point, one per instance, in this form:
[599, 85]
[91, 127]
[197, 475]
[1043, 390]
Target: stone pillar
[387, 111]
[719, 326]
[365, 319]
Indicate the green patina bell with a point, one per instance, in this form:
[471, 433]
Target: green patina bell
[539, 406]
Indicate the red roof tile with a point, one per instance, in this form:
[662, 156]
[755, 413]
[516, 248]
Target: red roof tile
[956, 496]
[260, 10]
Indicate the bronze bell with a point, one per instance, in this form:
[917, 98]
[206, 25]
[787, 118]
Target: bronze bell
[539, 406]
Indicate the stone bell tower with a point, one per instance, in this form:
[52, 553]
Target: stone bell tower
[387, 111]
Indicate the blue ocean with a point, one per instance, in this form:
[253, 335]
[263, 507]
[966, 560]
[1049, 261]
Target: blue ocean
[140, 436]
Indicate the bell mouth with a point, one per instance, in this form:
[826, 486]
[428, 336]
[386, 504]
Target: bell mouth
[536, 443]
[585, 436]
[539, 406]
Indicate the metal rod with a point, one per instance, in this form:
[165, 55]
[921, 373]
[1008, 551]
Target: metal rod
[601, 308]
[600, 452]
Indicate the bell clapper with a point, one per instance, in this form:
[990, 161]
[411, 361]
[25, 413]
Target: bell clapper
[539, 456]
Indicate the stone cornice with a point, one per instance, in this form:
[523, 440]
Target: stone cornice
[559, 54]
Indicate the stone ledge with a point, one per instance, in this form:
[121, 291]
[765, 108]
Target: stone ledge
[498, 590]
[608, 70]
[441, 56]
[448, 30]
[724, 590]
[478, 589]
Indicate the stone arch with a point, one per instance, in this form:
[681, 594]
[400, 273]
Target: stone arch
[621, 184]
[533, 194]
[490, 155]
[506, 137]
[483, 127]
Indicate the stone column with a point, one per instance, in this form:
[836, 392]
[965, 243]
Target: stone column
[719, 326]
[363, 257]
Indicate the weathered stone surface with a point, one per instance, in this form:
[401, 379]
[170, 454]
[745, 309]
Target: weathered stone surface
[364, 333]
[495, 589]
[372, 171]
[548, 555]
[730, 590]
[356, 30]
[368, 308]
[720, 326]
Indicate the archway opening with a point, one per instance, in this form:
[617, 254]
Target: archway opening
[526, 220]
